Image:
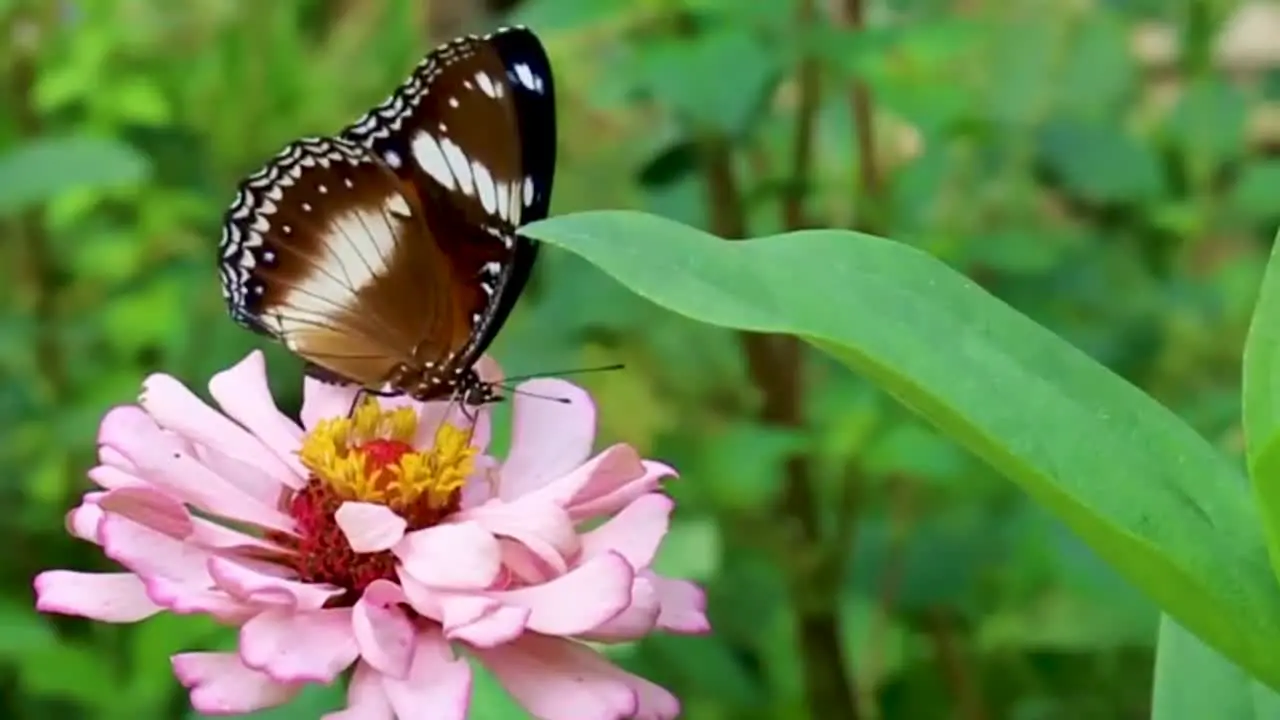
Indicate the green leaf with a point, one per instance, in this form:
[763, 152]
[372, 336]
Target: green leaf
[1261, 402]
[1254, 192]
[1101, 163]
[1137, 484]
[43, 169]
[690, 77]
[1193, 682]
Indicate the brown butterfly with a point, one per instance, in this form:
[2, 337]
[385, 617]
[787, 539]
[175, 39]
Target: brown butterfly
[388, 255]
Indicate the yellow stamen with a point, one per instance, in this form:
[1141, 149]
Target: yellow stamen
[368, 458]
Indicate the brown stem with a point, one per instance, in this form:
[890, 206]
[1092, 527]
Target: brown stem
[892, 574]
[954, 666]
[775, 364]
[870, 190]
[36, 275]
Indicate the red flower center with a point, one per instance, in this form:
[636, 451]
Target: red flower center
[422, 487]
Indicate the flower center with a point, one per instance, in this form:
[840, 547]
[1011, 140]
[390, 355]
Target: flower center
[369, 458]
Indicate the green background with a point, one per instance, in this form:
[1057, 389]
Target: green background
[1108, 168]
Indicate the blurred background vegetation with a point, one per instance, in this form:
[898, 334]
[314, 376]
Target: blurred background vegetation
[1109, 167]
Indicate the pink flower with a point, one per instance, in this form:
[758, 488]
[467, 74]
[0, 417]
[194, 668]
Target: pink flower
[383, 544]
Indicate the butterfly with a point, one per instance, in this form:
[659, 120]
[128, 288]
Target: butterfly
[388, 255]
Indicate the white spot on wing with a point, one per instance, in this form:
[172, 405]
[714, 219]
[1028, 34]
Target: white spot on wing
[459, 165]
[504, 200]
[484, 187]
[528, 191]
[397, 205]
[431, 159]
[525, 75]
[486, 85]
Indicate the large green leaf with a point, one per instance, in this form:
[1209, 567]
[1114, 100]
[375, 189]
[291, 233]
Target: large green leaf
[1193, 682]
[1149, 494]
[1262, 404]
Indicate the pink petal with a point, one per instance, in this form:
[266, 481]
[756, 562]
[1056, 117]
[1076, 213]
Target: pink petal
[636, 621]
[498, 627]
[369, 527]
[243, 394]
[176, 408]
[384, 634]
[251, 586]
[684, 606]
[541, 526]
[255, 481]
[187, 599]
[221, 685]
[112, 457]
[438, 685]
[83, 520]
[109, 597]
[219, 537]
[323, 401]
[617, 466]
[366, 699]
[635, 532]
[558, 679]
[461, 556]
[151, 553]
[578, 601]
[548, 439]
[110, 477]
[475, 619]
[294, 647]
[166, 463]
[606, 494]
[151, 509]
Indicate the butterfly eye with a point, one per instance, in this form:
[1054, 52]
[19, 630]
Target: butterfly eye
[388, 254]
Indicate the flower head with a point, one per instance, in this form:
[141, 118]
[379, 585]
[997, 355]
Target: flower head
[381, 543]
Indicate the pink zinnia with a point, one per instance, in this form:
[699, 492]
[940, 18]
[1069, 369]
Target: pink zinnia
[388, 541]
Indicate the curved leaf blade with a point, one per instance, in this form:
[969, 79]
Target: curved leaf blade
[1140, 486]
[1261, 402]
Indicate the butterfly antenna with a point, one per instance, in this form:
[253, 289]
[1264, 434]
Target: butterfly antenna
[526, 393]
[579, 371]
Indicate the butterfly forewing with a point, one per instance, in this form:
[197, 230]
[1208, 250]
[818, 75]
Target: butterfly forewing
[474, 130]
[320, 249]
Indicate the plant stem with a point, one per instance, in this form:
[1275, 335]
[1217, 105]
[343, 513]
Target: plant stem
[869, 194]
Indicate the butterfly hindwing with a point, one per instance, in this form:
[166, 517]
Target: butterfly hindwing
[325, 249]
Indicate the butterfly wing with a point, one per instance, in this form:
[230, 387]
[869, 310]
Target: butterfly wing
[327, 249]
[473, 131]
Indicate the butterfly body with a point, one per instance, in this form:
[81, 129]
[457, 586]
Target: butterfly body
[388, 255]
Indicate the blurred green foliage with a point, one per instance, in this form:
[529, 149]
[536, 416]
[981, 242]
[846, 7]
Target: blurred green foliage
[1108, 167]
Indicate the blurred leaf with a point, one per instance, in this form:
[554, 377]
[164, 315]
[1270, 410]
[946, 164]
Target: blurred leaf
[691, 550]
[1193, 682]
[1261, 401]
[42, 169]
[549, 16]
[1142, 488]
[1254, 192]
[912, 449]
[690, 77]
[1208, 124]
[1099, 71]
[741, 467]
[1101, 162]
